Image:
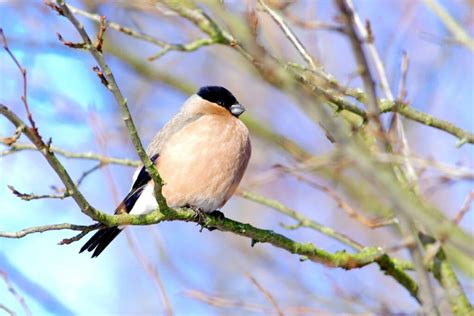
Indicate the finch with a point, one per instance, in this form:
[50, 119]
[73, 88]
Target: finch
[201, 155]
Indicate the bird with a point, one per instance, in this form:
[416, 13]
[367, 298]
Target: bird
[201, 155]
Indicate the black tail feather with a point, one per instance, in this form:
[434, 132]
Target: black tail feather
[103, 237]
[100, 240]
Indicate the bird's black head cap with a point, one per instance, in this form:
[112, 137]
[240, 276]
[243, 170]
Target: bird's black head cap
[218, 95]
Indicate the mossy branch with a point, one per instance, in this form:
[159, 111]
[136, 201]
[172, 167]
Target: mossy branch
[340, 259]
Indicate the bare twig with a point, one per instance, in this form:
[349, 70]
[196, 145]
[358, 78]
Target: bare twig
[71, 44]
[166, 47]
[465, 208]
[88, 172]
[357, 41]
[41, 229]
[24, 97]
[267, 294]
[313, 25]
[402, 90]
[371, 223]
[289, 34]
[69, 154]
[460, 35]
[154, 273]
[32, 196]
[17, 295]
[43, 148]
[7, 310]
[220, 302]
[115, 26]
[100, 34]
[67, 241]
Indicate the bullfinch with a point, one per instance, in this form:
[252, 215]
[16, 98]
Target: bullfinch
[201, 155]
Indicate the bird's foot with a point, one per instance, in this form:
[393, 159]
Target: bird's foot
[199, 217]
[198, 214]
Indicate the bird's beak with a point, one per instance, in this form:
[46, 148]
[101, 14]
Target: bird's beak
[237, 109]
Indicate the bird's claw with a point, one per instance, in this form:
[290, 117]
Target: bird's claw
[200, 217]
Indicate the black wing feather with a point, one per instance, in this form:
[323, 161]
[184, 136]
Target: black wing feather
[103, 237]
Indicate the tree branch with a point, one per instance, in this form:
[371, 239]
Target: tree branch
[392, 267]
[219, 36]
[112, 86]
[69, 154]
[17, 295]
[41, 229]
[456, 30]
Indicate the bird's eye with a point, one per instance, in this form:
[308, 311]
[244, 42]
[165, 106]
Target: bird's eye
[220, 103]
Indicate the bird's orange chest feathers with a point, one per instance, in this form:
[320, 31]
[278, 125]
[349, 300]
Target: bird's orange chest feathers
[203, 163]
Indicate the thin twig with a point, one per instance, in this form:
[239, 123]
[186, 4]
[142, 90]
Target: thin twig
[69, 154]
[465, 208]
[41, 229]
[371, 223]
[166, 47]
[7, 310]
[220, 302]
[313, 25]
[24, 97]
[154, 273]
[458, 32]
[67, 241]
[357, 41]
[402, 90]
[88, 172]
[101, 33]
[17, 295]
[43, 148]
[112, 25]
[289, 34]
[267, 294]
[32, 196]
